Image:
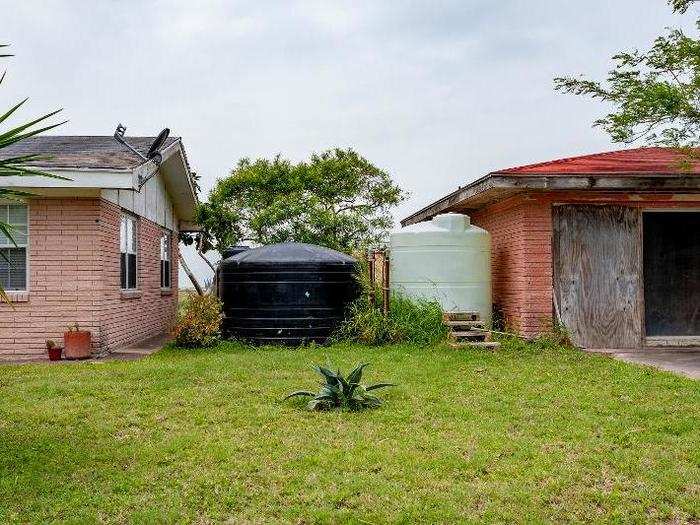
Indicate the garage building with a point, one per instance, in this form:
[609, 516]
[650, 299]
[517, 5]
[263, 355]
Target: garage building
[608, 244]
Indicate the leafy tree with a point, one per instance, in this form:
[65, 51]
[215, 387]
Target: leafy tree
[655, 94]
[680, 6]
[336, 199]
[18, 166]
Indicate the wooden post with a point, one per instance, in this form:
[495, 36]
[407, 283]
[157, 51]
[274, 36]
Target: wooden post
[372, 276]
[385, 283]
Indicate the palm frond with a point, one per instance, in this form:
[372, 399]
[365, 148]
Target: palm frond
[11, 193]
[14, 108]
[16, 134]
[18, 169]
[7, 230]
[17, 166]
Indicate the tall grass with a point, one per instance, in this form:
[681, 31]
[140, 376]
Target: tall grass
[413, 321]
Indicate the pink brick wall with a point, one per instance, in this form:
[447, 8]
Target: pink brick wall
[521, 259]
[74, 277]
[152, 311]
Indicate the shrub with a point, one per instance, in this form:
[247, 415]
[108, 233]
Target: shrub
[337, 392]
[415, 321]
[553, 334]
[199, 321]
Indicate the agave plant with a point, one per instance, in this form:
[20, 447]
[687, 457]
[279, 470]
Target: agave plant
[340, 392]
[19, 166]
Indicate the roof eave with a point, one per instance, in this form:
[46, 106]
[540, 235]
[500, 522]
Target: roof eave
[501, 184]
[179, 183]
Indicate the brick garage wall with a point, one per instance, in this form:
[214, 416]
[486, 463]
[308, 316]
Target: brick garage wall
[521, 258]
[126, 317]
[521, 261]
[74, 277]
[64, 277]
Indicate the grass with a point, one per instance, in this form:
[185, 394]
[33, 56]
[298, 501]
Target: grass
[527, 434]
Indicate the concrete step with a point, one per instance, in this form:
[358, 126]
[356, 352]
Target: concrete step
[455, 324]
[489, 345]
[455, 334]
[460, 316]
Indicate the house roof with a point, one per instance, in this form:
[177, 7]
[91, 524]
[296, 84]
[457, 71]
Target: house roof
[83, 152]
[628, 161]
[629, 170]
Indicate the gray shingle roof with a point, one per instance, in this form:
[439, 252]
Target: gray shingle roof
[97, 152]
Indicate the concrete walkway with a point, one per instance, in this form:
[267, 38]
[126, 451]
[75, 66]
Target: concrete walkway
[682, 361]
[138, 350]
[127, 353]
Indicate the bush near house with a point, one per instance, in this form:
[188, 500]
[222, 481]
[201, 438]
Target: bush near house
[199, 321]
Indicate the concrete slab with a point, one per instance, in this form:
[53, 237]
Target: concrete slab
[127, 353]
[682, 361]
[138, 350]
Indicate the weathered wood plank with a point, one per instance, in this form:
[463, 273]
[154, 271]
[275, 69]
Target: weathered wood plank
[597, 274]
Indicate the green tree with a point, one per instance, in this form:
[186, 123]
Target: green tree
[336, 199]
[680, 6]
[18, 166]
[655, 94]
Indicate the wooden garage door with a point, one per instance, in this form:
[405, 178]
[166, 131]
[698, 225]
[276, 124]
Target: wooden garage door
[597, 274]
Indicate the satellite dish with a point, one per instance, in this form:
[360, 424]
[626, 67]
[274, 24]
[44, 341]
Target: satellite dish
[158, 143]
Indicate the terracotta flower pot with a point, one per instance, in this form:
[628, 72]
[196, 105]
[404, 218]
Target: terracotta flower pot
[77, 344]
[55, 353]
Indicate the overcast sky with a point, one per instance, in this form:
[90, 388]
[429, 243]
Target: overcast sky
[437, 93]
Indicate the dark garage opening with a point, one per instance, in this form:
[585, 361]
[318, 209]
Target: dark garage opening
[672, 273]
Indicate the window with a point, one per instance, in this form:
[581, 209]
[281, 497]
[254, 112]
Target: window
[165, 260]
[129, 242]
[13, 258]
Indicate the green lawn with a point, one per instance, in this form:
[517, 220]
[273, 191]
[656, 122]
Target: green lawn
[528, 434]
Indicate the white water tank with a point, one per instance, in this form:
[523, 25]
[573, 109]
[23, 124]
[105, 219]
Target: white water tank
[447, 259]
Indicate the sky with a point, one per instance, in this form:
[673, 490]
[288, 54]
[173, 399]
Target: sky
[437, 93]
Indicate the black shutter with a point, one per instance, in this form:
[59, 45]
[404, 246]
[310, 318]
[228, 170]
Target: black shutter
[122, 275]
[131, 271]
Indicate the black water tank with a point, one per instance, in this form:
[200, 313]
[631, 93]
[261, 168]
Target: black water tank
[287, 293]
[234, 250]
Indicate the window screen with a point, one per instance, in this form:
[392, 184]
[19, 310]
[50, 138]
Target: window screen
[13, 256]
[128, 252]
[165, 260]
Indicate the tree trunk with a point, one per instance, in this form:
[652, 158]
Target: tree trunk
[189, 273]
[204, 257]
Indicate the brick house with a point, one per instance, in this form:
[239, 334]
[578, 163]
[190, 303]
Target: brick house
[99, 249]
[607, 244]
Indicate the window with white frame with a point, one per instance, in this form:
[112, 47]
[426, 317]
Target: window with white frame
[165, 260]
[128, 247]
[13, 255]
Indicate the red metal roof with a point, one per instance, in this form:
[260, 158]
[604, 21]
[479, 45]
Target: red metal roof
[627, 161]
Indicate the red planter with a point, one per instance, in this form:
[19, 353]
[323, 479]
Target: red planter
[77, 344]
[55, 353]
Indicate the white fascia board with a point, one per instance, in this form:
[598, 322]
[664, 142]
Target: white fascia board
[78, 178]
[176, 175]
